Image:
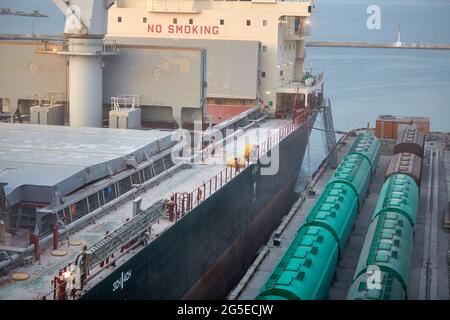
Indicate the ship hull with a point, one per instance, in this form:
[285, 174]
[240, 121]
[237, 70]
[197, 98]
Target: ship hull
[206, 253]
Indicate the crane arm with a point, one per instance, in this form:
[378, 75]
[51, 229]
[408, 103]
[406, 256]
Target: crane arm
[73, 18]
[80, 15]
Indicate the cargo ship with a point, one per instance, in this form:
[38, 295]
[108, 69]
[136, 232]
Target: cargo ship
[115, 213]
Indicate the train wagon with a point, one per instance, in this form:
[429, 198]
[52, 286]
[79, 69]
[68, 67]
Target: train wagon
[410, 140]
[386, 254]
[376, 286]
[399, 194]
[307, 268]
[368, 146]
[405, 163]
[335, 211]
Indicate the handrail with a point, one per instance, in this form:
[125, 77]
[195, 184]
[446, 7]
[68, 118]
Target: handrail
[186, 201]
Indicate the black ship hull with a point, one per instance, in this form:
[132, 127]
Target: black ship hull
[206, 253]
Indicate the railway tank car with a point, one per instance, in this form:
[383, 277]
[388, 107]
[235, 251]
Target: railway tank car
[354, 171]
[399, 194]
[339, 203]
[387, 249]
[368, 146]
[406, 163]
[332, 218]
[382, 287]
[410, 140]
[335, 211]
[297, 275]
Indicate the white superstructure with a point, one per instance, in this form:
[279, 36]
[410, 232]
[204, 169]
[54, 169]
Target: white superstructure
[279, 26]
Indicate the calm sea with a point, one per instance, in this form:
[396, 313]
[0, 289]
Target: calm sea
[361, 83]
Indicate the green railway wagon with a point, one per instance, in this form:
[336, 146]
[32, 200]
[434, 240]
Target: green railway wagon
[376, 285]
[335, 210]
[388, 246]
[307, 268]
[399, 194]
[368, 146]
[355, 171]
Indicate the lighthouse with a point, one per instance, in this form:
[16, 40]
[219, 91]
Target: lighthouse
[398, 43]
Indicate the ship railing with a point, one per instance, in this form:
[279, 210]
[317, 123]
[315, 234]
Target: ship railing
[57, 286]
[110, 46]
[305, 30]
[125, 102]
[291, 33]
[50, 47]
[316, 79]
[186, 201]
[256, 110]
[173, 5]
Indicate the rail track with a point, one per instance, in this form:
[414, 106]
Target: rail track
[428, 276]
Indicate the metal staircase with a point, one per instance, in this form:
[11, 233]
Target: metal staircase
[130, 231]
[329, 133]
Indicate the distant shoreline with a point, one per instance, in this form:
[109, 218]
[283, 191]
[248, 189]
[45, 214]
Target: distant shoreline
[310, 43]
[34, 13]
[349, 44]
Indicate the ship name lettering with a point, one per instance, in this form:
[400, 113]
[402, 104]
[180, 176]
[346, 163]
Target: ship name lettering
[119, 283]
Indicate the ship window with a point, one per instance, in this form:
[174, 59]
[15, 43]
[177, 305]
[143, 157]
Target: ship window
[191, 21]
[174, 20]
[264, 23]
[249, 22]
[222, 22]
[264, 48]
[119, 19]
[144, 20]
[263, 74]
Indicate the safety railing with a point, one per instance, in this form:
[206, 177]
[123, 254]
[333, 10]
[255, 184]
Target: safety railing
[110, 46]
[184, 202]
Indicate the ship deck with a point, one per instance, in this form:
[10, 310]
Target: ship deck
[66, 158]
[185, 179]
[431, 241]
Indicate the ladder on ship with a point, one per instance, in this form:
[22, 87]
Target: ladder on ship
[131, 231]
[330, 135]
